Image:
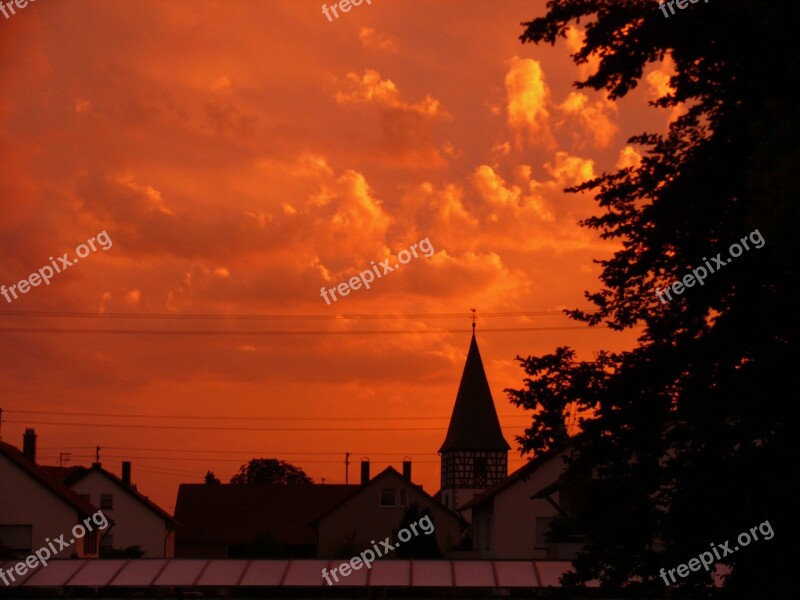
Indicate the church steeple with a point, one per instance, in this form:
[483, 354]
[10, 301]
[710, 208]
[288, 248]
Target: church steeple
[474, 424]
[474, 452]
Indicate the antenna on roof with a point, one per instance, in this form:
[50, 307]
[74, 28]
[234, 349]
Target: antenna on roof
[473, 319]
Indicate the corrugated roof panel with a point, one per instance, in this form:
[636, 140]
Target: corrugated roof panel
[17, 580]
[305, 573]
[357, 578]
[56, 573]
[515, 574]
[181, 572]
[432, 573]
[139, 573]
[223, 572]
[390, 573]
[551, 570]
[98, 573]
[265, 572]
[474, 573]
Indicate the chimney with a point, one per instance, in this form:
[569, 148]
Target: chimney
[364, 472]
[126, 472]
[407, 469]
[29, 445]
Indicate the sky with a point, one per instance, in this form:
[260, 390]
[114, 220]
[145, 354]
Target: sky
[227, 162]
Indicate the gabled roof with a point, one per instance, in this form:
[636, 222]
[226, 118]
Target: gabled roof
[387, 472]
[520, 474]
[71, 475]
[48, 482]
[474, 424]
[240, 513]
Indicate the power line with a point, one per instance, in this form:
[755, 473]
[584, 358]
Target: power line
[210, 428]
[279, 332]
[251, 452]
[270, 317]
[227, 460]
[229, 418]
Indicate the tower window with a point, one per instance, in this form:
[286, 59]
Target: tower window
[479, 470]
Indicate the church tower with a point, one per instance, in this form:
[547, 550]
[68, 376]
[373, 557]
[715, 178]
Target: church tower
[474, 453]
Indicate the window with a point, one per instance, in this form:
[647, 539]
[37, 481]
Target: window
[107, 501]
[18, 538]
[403, 497]
[388, 497]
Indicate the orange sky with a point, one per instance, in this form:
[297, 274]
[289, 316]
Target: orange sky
[242, 155]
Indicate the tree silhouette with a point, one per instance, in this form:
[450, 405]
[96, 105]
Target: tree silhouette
[270, 470]
[211, 479]
[687, 433]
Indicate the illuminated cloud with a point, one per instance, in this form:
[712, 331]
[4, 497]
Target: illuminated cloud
[658, 81]
[628, 157]
[528, 96]
[407, 127]
[509, 199]
[593, 118]
[575, 39]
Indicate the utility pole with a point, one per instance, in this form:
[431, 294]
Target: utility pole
[63, 458]
[346, 468]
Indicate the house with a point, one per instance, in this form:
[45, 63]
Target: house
[474, 454]
[374, 512]
[36, 508]
[251, 520]
[512, 519]
[138, 521]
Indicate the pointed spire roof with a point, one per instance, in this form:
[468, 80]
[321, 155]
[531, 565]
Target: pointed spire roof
[474, 424]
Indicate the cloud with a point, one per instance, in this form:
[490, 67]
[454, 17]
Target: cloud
[575, 38]
[407, 127]
[658, 81]
[593, 118]
[528, 96]
[501, 197]
[628, 157]
[306, 164]
[373, 40]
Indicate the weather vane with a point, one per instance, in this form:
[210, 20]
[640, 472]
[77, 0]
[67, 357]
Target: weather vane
[473, 319]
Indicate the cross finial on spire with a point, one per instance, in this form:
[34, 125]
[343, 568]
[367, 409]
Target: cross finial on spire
[473, 319]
